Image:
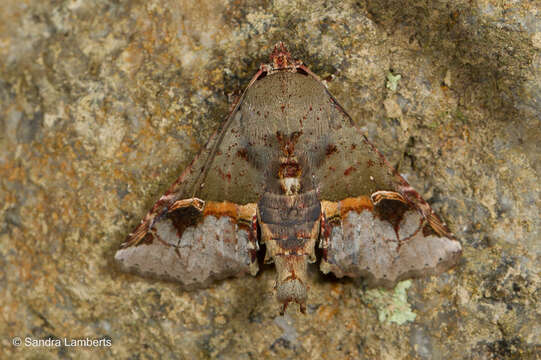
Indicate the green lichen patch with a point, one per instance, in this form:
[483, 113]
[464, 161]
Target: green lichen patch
[391, 305]
[392, 81]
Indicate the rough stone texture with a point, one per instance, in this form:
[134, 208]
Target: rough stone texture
[103, 103]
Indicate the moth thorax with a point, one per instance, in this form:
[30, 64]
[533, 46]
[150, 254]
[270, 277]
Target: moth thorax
[290, 186]
[289, 174]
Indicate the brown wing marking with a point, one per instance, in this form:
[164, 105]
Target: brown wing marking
[194, 243]
[384, 242]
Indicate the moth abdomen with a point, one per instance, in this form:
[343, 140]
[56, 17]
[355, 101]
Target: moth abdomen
[290, 228]
[290, 216]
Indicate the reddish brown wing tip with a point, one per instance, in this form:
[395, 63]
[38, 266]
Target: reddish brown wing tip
[439, 227]
[135, 238]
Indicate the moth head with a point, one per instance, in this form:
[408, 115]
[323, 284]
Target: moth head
[280, 57]
[280, 60]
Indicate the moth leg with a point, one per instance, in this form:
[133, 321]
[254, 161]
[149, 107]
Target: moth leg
[137, 236]
[253, 233]
[184, 203]
[387, 195]
[330, 213]
[438, 226]
[245, 212]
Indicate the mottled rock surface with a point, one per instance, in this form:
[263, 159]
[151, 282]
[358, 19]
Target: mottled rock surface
[103, 103]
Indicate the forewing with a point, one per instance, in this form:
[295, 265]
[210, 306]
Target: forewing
[201, 229]
[377, 225]
[223, 170]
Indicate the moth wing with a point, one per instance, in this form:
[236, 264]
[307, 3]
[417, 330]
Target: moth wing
[366, 241]
[223, 170]
[193, 246]
[378, 226]
[201, 229]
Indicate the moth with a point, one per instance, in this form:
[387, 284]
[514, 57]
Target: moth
[289, 169]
